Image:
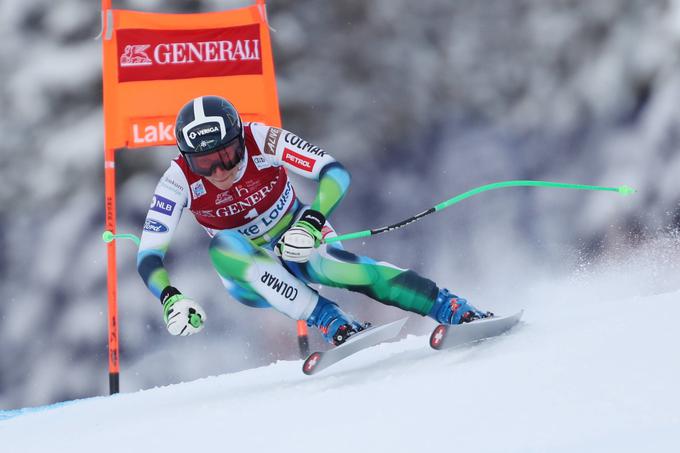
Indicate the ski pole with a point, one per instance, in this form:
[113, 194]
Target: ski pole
[623, 190]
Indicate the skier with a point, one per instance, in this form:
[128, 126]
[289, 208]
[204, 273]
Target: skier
[267, 246]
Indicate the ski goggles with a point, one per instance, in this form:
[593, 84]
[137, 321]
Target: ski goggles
[226, 158]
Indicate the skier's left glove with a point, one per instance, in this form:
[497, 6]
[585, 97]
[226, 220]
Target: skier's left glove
[182, 315]
[298, 243]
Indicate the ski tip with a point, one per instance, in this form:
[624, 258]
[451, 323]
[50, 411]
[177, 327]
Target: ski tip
[437, 336]
[309, 367]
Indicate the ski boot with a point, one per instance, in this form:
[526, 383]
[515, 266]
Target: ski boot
[451, 309]
[335, 326]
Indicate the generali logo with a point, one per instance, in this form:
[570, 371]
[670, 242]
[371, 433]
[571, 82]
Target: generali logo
[183, 54]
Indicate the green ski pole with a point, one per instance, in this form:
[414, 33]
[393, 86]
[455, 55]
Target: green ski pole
[623, 190]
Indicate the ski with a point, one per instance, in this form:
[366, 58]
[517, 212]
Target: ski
[372, 336]
[447, 336]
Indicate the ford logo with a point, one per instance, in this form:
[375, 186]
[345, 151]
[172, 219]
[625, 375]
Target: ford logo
[155, 226]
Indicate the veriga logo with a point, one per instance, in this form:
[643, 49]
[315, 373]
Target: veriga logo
[184, 54]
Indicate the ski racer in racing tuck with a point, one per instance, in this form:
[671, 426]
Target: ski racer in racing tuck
[267, 246]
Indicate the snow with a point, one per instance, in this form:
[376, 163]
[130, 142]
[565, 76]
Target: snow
[419, 100]
[586, 373]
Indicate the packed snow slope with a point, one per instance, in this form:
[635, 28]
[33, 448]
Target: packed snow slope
[584, 371]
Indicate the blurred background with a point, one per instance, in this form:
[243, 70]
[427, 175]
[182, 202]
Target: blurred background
[420, 100]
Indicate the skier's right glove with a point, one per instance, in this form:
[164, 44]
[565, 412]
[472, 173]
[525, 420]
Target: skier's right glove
[182, 315]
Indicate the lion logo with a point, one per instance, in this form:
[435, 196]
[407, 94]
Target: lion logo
[135, 55]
